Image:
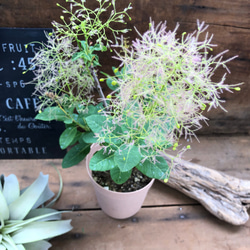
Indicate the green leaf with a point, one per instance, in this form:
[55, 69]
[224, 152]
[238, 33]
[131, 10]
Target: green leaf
[53, 113]
[120, 73]
[101, 161]
[11, 190]
[81, 120]
[84, 45]
[4, 210]
[8, 243]
[2, 247]
[38, 245]
[67, 137]
[87, 53]
[95, 60]
[89, 110]
[157, 170]
[45, 196]
[36, 231]
[70, 119]
[78, 55]
[21, 247]
[88, 137]
[118, 176]
[98, 47]
[127, 157]
[75, 155]
[110, 83]
[76, 139]
[16, 225]
[114, 137]
[52, 214]
[87, 57]
[24, 203]
[95, 122]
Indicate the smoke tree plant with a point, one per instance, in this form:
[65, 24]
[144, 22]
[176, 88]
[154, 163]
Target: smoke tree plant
[157, 94]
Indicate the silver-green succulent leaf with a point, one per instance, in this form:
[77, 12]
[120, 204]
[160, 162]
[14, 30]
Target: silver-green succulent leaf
[11, 189]
[27, 200]
[23, 224]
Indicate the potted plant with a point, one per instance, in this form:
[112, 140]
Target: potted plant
[25, 223]
[157, 93]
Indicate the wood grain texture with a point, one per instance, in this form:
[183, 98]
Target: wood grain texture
[162, 228]
[229, 155]
[168, 220]
[224, 195]
[229, 22]
[227, 197]
[78, 192]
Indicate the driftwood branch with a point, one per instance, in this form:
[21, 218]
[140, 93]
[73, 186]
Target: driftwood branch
[227, 197]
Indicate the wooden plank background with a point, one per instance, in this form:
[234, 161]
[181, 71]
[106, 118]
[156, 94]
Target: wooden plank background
[168, 220]
[229, 22]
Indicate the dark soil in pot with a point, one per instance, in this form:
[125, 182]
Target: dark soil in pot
[136, 181]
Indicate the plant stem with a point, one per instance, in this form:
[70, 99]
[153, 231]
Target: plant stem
[66, 113]
[99, 88]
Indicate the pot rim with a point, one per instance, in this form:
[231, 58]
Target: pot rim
[99, 186]
[123, 193]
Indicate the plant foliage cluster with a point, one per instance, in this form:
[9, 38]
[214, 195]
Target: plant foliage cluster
[158, 93]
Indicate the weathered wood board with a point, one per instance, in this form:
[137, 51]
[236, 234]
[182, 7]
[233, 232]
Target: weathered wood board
[156, 228]
[168, 219]
[229, 22]
[230, 155]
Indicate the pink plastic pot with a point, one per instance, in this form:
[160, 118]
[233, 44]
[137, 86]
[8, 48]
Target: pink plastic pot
[117, 205]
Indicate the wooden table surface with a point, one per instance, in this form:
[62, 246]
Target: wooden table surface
[167, 220]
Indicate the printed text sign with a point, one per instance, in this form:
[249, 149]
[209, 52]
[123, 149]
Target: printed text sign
[21, 136]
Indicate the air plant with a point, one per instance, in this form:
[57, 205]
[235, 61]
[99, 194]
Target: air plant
[24, 224]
